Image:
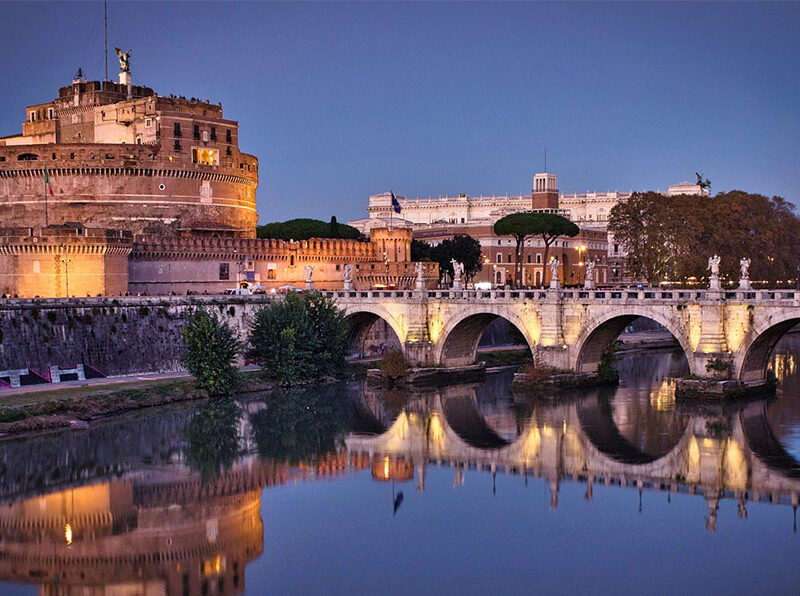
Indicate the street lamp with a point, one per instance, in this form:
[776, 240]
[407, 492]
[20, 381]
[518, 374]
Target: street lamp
[581, 248]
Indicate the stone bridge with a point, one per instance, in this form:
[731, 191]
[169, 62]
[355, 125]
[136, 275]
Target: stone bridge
[725, 454]
[570, 329]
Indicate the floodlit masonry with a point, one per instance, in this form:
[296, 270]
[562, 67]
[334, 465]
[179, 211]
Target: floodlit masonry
[571, 329]
[120, 156]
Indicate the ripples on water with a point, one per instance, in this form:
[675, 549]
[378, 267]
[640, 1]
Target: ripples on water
[470, 489]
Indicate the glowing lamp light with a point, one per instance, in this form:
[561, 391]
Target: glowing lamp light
[68, 534]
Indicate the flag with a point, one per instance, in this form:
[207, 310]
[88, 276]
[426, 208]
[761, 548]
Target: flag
[47, 180]
[396, 204]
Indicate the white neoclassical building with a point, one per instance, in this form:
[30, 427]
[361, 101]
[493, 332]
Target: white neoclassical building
[590, 210]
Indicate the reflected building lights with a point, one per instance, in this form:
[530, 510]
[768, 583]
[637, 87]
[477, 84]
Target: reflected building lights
[662, 398]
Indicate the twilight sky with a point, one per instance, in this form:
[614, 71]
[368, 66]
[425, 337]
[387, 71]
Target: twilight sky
[340, 101]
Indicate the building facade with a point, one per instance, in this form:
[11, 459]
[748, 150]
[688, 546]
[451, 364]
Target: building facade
[430, 219]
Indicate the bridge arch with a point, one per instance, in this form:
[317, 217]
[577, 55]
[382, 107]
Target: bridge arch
[457, 343]
[362, 318]
[753, 357]
[600, 332]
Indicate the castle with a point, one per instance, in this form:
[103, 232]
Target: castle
[112, 188]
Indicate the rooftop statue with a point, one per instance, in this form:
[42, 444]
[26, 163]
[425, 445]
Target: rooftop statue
[124, 60]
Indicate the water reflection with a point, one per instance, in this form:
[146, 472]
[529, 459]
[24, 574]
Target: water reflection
[171, 501]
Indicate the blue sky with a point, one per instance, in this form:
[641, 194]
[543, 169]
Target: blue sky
[340, 101]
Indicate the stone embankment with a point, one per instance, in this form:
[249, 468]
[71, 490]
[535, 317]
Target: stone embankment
[115, 336]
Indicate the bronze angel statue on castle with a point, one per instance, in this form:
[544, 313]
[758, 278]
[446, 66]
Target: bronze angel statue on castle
[124, 60]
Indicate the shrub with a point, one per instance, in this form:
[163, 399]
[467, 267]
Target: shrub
[393, 365]
[538, 374]
[301, 337]
[606, 371]
[210, 350]
[720, 367]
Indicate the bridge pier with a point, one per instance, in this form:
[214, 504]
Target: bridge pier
[419, 353]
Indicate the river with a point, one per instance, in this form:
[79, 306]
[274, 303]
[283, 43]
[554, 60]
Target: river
[467, 489]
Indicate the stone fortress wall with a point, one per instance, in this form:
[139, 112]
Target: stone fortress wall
[64, 260]
[131, 187]
[116, 336]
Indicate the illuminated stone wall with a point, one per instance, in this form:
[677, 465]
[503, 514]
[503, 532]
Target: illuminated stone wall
[60, 261]
[140, 188]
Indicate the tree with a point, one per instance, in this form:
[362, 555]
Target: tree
[210, 350]
[303, 229]
[301, 337]
[420, 250]
[524, 225]
[462, 248]
[645, 224]
[671, 238]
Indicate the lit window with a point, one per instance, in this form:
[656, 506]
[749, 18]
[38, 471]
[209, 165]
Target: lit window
[205, 157]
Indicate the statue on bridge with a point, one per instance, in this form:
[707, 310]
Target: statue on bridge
[419, 269]
[348, 276]
[588, 283]
[713, 266]
[458, 274]
[309, 271]
[744, 277]
[553, 264]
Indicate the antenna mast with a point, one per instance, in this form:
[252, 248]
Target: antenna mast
[105, 21]
[545, 158]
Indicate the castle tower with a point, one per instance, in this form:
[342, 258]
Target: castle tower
[394, 244]
[545, 191]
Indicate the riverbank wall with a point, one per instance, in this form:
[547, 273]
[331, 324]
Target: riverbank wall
[114, 336]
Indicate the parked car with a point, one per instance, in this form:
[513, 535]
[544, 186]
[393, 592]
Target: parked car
[289, 288]
[238, 292]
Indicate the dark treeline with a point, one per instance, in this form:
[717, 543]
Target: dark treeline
[303, 229]
[671, 238]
